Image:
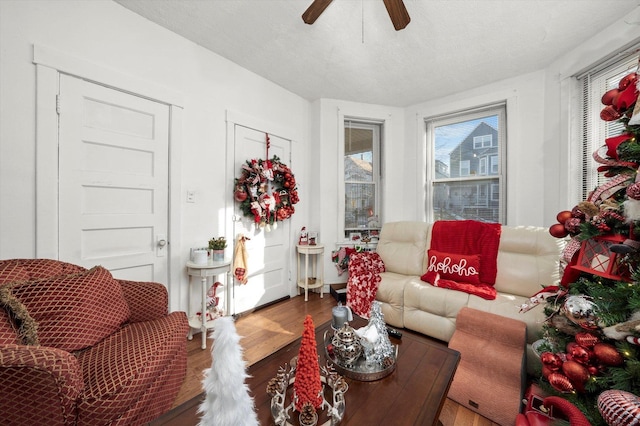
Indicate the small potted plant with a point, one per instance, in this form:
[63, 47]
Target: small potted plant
[217, 246]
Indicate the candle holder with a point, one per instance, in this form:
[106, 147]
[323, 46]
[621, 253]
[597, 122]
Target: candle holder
[282, 407]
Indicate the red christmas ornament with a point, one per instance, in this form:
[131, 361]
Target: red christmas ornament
[618, 407]
[560, 382]
[550, 360]
[558, 230]
[607, 354]
[580, 354]
[609, 113]
[563, 216]
[609, 96]
[577, 373]
[586, 339]
[627, 80]
[240, 194]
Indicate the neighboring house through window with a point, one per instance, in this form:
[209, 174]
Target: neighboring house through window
[464, 169]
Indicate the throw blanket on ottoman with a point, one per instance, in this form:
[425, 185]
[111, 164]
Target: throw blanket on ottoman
[364, 278]
[463, 255]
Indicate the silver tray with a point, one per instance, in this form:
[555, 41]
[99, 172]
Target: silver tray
[361, 370]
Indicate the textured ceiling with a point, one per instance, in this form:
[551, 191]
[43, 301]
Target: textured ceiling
[353, 53]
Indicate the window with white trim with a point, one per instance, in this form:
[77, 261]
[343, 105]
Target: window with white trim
[465, 165]
[362, 147]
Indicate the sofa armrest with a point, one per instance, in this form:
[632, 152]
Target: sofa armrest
[147, 300]
[38, 385]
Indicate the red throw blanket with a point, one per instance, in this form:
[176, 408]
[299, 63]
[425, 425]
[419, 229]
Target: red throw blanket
[364, 278]
[468, 237]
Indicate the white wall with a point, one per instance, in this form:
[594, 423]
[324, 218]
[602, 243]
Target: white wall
[107, 35]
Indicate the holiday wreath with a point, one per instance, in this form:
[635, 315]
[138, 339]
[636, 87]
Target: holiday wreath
[266, 191]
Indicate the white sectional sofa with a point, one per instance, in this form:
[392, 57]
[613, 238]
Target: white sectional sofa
[528, 260]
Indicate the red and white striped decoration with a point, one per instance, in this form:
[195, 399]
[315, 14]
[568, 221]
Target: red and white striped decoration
[619, 408]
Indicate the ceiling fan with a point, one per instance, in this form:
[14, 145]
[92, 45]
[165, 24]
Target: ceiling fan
[396, 9]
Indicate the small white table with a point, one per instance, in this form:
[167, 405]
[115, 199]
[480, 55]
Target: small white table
[204, 271]
[317, 273]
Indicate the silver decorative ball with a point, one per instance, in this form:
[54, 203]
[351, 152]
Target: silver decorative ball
[581, 311]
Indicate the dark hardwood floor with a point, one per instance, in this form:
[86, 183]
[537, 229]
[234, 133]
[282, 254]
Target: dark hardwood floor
[266, 330]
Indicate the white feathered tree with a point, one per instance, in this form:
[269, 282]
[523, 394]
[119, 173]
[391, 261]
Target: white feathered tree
[227, 401]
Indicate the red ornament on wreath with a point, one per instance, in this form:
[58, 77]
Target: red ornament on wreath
[240, 194]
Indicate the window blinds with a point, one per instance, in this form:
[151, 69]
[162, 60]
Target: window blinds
[594, 130]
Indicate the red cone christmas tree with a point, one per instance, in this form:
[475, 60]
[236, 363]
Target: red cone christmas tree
[307, 386]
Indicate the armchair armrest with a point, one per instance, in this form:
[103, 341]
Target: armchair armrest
[147, 300]
[38, 385]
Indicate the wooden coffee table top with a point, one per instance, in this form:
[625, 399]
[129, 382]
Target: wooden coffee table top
[412, 395]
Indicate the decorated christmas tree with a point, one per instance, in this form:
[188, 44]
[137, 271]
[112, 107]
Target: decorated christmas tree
[308, 386]
[592, 332]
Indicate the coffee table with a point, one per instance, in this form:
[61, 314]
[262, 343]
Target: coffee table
[412, 395]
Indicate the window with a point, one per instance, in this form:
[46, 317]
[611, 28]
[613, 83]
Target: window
[483, 141]
[361, 178]
[483, 166]
[594, 84]
[465, 169]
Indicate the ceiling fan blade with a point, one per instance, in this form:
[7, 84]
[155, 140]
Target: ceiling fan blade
[315, 10]
[398, 13]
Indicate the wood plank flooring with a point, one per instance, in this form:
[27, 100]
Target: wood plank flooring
[266, 330]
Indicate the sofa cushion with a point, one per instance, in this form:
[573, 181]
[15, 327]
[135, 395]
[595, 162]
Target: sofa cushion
[391, 297]
[456, 267]
[12, 270]
[119, 370]
[432, 310]
[74, 311]
[528, 260]
[402, 247]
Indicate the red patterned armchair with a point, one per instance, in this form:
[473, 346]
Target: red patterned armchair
[78, 347]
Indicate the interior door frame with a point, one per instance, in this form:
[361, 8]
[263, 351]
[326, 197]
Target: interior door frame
[234, 118]
[49, 65]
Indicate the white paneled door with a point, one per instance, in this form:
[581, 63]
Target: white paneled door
[268, 252]
[113, 180]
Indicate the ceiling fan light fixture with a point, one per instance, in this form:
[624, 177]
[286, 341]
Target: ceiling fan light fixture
[398, 13]
[314, 11]
[395, 8]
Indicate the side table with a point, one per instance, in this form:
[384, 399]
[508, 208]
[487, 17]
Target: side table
[204, 271]
[317, 273]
